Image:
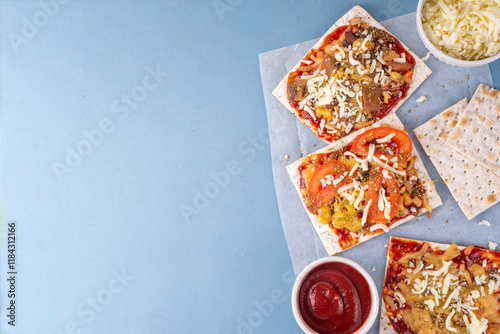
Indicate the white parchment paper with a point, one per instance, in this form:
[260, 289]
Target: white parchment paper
[289, 137]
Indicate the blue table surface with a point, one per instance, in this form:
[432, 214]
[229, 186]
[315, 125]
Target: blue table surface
[135, 163]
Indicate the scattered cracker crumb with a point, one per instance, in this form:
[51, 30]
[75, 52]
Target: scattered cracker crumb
[286, 157]
[426, 56]
[446, 221]
[484, 222]
[374, 269]
[468, 76]
[422, 99]
[386, 245]
[314, 145]
[301, 150]
[492, 245]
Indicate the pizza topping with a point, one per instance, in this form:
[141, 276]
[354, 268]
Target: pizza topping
[354, 78]
[448, 322]
[365, 212]
[379, 227]
[442, 297]
[358, 194]
[319, 194]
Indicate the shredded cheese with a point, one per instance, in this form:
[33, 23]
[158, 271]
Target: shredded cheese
[371, 151]
[365, 212]
[399, 297]
[379, 227]
[426, 56]
[467, 30]
[484, 222]
[395, 171]
[422, 99]
[448, 322]
[386, 138]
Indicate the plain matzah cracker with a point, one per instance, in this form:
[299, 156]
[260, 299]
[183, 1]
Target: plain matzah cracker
[474, 187]
[327, 236]
[420, 72]
[477, 134]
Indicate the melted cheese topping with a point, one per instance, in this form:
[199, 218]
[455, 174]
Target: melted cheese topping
[445, 299]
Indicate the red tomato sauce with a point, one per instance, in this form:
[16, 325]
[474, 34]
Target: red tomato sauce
[334, 298]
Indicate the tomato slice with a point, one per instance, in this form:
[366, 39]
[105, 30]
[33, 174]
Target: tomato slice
[319, 195]
[376, 181]
[401, 138]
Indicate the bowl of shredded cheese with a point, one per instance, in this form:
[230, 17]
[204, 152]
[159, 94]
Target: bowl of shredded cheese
[460, 32]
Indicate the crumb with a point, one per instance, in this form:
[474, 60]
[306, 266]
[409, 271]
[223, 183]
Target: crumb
[492, 245]
[314, 145]
[446, 221]
[484, 222]
[286, 157]
[374, 269]
[422, 99]
[386, 245]
[468, 76]
[451, 80]
[426, 56]
[301, 150]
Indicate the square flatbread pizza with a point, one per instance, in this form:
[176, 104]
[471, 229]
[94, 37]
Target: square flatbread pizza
[363, 185]
[459, 172]
[355, 75]
[437, 288]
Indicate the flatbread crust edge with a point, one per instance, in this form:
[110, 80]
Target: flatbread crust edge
[385, 324]
[420, 73]
[327, 236]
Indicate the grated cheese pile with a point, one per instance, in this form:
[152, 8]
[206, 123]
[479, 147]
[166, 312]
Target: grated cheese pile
[463, 29]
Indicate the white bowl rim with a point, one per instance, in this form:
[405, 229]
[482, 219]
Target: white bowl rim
[336, 259]
[440, 54]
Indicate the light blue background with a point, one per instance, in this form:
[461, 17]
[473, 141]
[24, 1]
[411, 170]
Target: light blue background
[119, 208]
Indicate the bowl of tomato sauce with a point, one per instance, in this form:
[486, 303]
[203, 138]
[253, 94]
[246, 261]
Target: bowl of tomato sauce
[335, 295]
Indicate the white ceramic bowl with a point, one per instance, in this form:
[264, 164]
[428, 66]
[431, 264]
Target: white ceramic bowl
[336, 259]
[441, 55]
